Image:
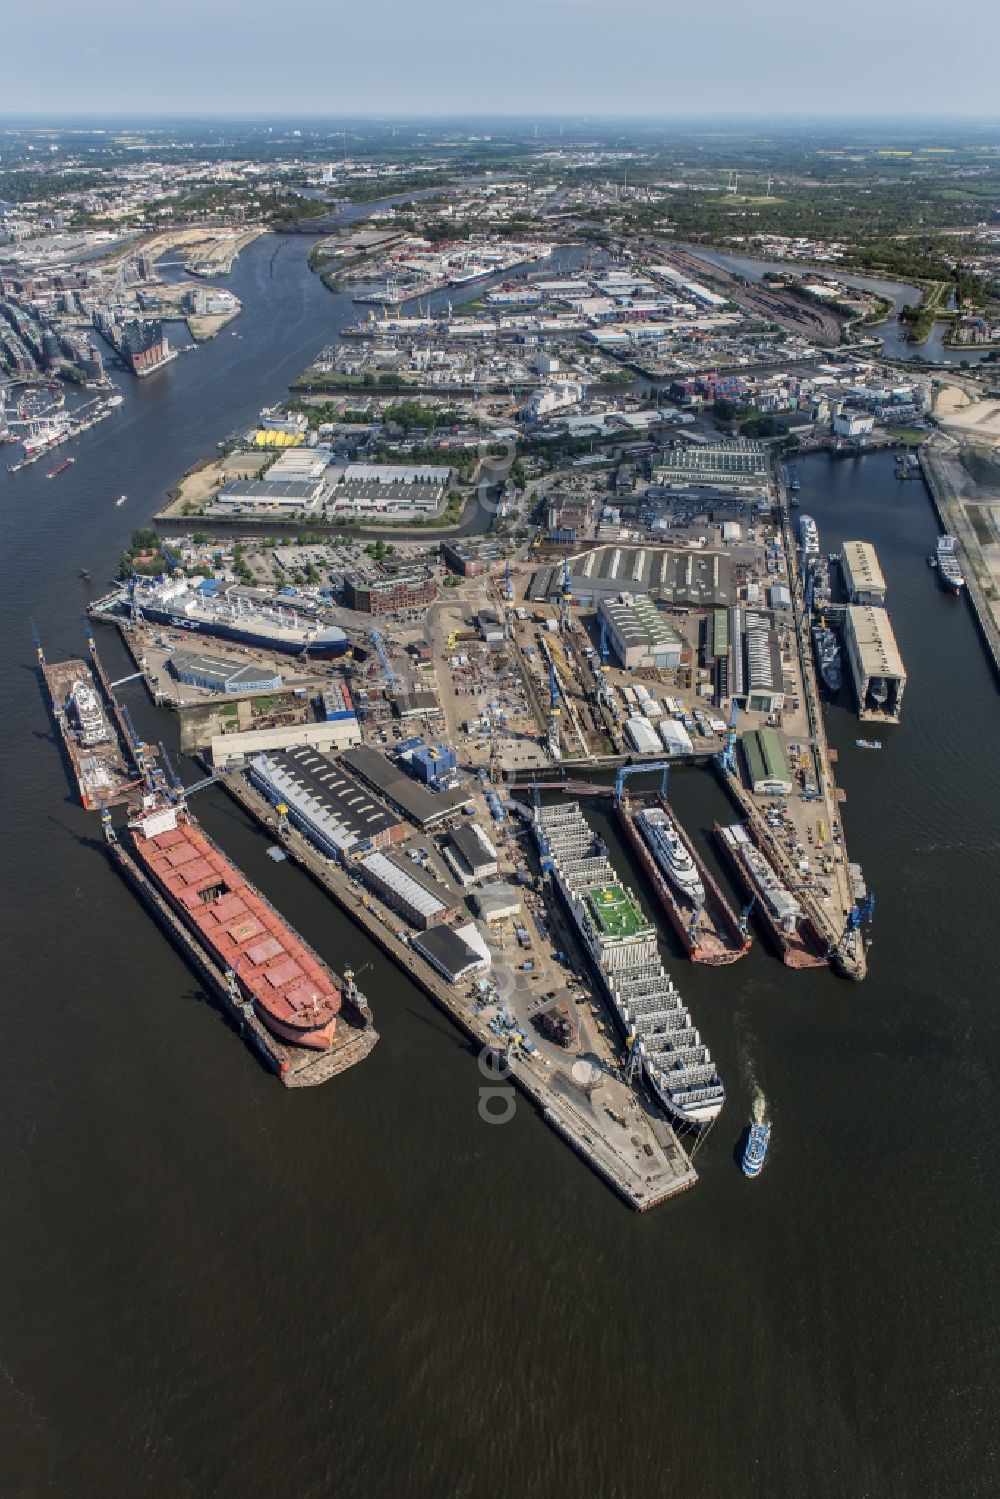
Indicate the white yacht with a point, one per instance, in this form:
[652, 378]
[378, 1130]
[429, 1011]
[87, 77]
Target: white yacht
[670, 853]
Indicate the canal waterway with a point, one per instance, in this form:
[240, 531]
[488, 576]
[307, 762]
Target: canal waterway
[215, 1286]
[899, 293]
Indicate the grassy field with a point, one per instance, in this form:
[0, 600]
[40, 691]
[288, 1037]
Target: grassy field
[982, 523]
[980, 464]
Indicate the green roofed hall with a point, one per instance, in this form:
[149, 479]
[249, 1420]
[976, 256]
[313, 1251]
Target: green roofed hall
[766, 763]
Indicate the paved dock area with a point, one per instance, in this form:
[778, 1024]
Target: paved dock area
[614, 1127]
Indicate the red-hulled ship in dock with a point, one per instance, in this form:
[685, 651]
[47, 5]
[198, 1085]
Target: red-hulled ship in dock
[708, 928]
[292, 991]
[792, 931]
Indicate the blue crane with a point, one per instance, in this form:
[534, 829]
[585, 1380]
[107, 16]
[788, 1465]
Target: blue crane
[168, 764]
[39, 648]
[604, 641]
[727, 757]
[555, 691]
[861, 913]
[375, 636]
[649, 768]
[137, 746]
[745, 917]
[567, 587]
[508, 587]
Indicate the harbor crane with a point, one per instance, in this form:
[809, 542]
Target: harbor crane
[650, 767]
[604, 641]
[555, 692]
[544, 853]
[727, 756]
[860, 914]
[376, 638]
[565, 596]
[178, 784]
[139, 749]
[633, 1058]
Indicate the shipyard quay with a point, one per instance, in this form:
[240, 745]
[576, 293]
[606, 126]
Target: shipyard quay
[497, 612]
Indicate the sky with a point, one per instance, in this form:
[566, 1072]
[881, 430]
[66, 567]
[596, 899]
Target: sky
[524, 57]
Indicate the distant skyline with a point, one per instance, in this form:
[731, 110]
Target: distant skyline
[527, 57]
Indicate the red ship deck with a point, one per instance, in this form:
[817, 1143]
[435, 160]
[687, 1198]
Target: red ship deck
[292, 992]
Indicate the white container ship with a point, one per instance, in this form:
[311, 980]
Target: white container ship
[621, 946]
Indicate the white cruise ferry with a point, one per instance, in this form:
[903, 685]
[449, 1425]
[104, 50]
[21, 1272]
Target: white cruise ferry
[621, 945]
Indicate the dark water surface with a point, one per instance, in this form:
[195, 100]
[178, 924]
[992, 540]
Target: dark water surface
[212, 1286]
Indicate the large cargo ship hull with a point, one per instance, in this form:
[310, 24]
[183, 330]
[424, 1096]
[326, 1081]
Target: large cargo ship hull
[259, 639]
[293, 993]
[716, 937]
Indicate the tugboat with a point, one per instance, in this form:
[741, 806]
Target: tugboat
[85, 574]
[756, 1149]
[120, 500]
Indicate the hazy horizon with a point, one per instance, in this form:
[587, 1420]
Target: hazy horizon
[537, 59]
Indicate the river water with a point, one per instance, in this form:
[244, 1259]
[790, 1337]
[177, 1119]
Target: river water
[899, 293]
[215, 1286]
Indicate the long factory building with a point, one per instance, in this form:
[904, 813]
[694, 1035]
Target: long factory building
[688, 577]
[421, 806]
[335, 811]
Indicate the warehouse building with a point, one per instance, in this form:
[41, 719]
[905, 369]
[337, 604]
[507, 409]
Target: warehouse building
[471, 854]
[877, 669]
[741, 462]
[369, 497]
[421, 806]
[675, 737]
[764, 681]
[456, 954]
[303, 465]
[767, 768]
[496, 903]
[234, 749]
[257, 496]
[641, 735]
[862, 574]
[218, 675]
[336, 812]
[414, 898]
[640, 635]
[682, 577]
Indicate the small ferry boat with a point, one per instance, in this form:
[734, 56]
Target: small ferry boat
[756, 1149]
[868, 743]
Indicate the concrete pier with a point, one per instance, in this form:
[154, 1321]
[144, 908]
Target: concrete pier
[630, 1145]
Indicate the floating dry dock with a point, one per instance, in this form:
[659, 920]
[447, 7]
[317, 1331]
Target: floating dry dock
[89, 735]
[710, 932]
